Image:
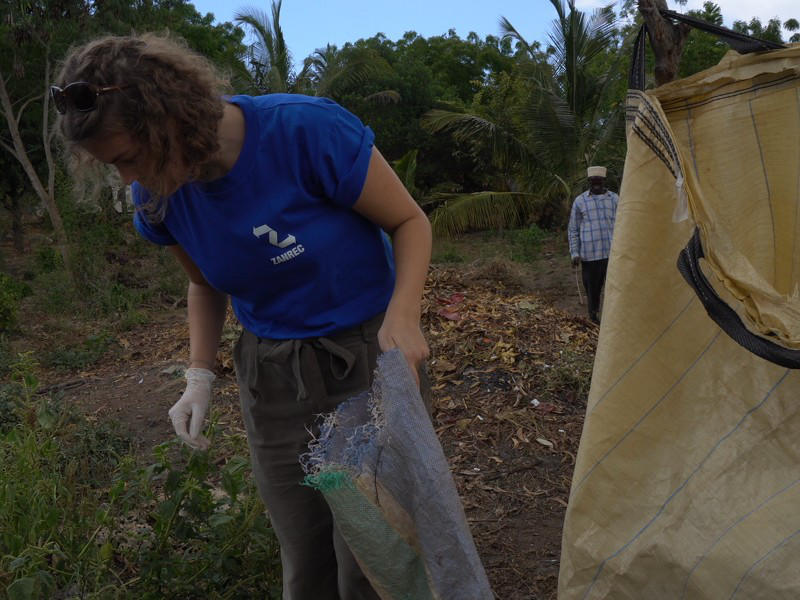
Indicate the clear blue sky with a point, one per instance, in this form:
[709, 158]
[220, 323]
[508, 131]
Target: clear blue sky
[311, 24]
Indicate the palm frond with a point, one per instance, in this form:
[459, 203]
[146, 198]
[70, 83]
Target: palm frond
[549, 116]
[507, 148]
[305, 77]
[510, 32]
[323, 59]
[259, 22]
[340, 76]
[463, 126]
[270, 56]
[406, 169]
[282, 57]
[459, 213]
[384, 97]
[559, 5]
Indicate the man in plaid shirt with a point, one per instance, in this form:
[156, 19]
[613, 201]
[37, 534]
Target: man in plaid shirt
[591, 226]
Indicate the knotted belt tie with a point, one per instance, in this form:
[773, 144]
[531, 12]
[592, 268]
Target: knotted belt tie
[342, 360]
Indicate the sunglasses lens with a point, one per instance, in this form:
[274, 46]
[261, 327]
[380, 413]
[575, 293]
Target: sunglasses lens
[59, 99]
[82, 96]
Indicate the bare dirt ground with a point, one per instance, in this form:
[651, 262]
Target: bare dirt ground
[511, 362]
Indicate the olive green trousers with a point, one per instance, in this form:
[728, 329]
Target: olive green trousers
[284, 385]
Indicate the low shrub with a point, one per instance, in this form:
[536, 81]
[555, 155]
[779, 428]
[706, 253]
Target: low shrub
[81, 356]
[526, 243]
[81, 518]
[11, 293]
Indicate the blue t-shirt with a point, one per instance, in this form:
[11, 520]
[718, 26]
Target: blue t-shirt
[278, 232]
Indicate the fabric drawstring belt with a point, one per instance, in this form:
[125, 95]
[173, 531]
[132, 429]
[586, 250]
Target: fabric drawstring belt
[335, 350]
[342, 360]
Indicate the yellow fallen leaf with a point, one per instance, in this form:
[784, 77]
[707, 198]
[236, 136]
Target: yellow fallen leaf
[464, 423]
[444, 365]
[526, 305]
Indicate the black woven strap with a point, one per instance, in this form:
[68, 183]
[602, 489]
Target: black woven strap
[636, 76]
[724, 316]
[742, 43]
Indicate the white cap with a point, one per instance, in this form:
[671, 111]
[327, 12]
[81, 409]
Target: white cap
[596, 172]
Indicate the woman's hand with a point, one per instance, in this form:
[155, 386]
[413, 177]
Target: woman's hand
[405, 334]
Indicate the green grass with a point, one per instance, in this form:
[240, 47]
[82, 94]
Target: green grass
[515, 245]
[567, 380]
[80, 517]
[81, 356]
[12, 292]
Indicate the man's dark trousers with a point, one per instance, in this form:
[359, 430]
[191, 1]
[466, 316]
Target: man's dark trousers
[594, 276]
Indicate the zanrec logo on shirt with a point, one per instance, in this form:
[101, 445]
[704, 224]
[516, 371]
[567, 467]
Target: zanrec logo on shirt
[272, 238]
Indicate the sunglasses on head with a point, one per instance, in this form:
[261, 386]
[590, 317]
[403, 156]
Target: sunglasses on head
[80, 96]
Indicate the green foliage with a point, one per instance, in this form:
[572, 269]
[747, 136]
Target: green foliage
[100, 253]
[116, 299]
[569, 379]
[269, 59]
[460, 213]
[703, 50]
[333, 73]
[115, 276]
[11, 293]
[82, 356]
[6, 357]
[222, 43]
[79, 517]
[14, 392]
[55, 293]
[526, 243]
[771, 32]
[792, 26]
[169, 278]
[397, 82]
[205, 538]
[96, 294]
[447, 254]
[542, 125]
[406, 169]
[47, 259]
[50, 513]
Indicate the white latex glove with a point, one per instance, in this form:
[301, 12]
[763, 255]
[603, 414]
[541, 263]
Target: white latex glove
[193, 406]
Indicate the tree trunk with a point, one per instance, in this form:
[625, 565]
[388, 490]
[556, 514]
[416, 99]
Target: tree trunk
[666, 39]
[47, 196]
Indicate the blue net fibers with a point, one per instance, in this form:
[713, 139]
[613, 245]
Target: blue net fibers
[382, 471]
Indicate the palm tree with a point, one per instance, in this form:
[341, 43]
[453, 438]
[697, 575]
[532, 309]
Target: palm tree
[327, 72]
[270, 59]
[559, 121]
[792, 25]
[333, 72]
[572, 118]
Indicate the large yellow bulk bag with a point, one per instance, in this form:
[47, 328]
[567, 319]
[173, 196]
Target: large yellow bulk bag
[687, 481]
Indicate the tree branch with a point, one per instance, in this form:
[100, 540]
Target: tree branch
[10, 149]
[21, 154]
[46, 137]
[32, 95]
[24, 106]
[666, 39]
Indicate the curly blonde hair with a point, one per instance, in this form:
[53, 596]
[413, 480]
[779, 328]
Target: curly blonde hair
[171, 104]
